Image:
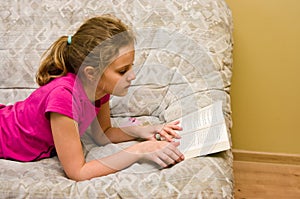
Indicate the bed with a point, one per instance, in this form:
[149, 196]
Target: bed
[183, 63]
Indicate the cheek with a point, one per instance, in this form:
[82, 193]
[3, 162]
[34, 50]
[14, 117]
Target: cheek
[117, 83]
[111, 80]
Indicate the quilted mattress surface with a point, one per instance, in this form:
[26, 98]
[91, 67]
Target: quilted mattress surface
[183, 63]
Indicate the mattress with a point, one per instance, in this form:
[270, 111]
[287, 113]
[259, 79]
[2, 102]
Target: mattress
[183, 63]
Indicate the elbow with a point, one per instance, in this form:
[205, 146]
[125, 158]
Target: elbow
[76, 176]
[89, 170]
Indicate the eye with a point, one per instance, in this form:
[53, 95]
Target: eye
[122, 72]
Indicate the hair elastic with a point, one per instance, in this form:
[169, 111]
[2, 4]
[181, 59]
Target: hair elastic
[69, 39]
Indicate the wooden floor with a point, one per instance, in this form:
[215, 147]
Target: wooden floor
[266, 180]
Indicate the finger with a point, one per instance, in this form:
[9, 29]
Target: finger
[175, 157]
[181, 158]
[175, 122]
[171, 132]
[158, 161]
[176, 150]
[175, 144]
[175, 127]
[175, 134]
[166, 158]
[166, 136]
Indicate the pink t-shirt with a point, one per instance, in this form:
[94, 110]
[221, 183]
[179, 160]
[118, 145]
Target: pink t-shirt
[25, 131]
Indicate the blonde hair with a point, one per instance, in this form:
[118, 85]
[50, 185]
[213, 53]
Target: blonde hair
[95, 44]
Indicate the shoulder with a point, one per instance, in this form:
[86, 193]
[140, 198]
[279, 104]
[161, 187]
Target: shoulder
[68, 80]
[59, 86]
[59, 91]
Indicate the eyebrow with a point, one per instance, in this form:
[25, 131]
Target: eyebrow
[123, 66]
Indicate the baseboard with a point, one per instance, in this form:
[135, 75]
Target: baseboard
[266, 157]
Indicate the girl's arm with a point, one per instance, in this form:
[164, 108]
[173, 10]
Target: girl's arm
[70, 153]
[104, 133]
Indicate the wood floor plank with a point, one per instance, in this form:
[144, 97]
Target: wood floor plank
[266, 180]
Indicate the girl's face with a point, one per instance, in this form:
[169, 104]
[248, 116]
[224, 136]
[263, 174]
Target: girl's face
[117, 77]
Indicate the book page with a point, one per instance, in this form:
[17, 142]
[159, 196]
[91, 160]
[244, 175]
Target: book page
[204, 132]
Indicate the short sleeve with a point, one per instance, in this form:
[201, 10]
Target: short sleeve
[60, 101]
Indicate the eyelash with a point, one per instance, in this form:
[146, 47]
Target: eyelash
[122, 72]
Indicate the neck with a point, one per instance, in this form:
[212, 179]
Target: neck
[93, 93]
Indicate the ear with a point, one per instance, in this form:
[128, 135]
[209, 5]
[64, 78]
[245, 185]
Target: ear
[89, 73]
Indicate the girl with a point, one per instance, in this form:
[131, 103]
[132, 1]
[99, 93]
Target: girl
[77, 75]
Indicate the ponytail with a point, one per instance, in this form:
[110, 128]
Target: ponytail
[54, 62]
[65, 55]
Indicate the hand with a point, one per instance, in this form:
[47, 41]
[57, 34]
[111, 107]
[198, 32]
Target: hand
[149, 132]
[162, 153]
[167, 131]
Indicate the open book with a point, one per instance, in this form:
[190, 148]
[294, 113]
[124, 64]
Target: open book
[204, 132]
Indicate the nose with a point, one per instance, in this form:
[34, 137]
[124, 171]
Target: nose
[131, 75]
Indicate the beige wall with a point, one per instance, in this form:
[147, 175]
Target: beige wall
[266, 75]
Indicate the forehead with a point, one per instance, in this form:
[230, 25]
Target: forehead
[126, 50]
[125, 57]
